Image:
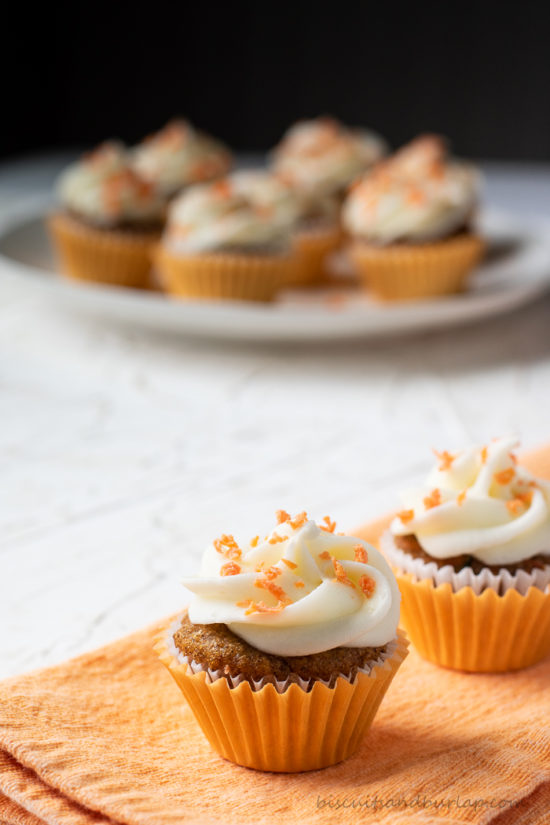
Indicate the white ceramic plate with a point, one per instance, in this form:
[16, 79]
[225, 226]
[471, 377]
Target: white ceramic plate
[516, 271]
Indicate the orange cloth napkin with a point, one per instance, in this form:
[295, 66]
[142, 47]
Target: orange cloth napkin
[108, 738]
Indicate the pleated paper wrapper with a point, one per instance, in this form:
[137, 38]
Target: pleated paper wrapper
[405, 271]
[210, 276]
[482, 622]
[277, 726]
[102, 255]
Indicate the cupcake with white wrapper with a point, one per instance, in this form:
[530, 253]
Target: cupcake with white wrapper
[471, 549]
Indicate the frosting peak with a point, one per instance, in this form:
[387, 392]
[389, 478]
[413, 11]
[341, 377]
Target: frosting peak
[323, 157]
[479, 502]
[103, 188]
[418, 194]
[179, 155]
[301, 590]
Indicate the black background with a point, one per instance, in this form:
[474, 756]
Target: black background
[74, 74]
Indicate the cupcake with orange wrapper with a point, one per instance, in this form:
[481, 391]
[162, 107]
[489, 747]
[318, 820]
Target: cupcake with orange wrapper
[321, 158]
[178, 156]
[229, 240]
[109, 221]
[288, 645]
[471, 551]
[410, 221]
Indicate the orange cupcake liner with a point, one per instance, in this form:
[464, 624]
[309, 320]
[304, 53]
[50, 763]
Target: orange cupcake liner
[483, 633]
[102, 255]
[312, 248]
[224, 276]
[402, 272]
[289, 731]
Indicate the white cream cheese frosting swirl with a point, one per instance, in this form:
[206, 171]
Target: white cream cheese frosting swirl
[322, 157]
[179, 155]
[479, 502]
[301, 590]
[247, 210]
[418, 195]
[103, 189]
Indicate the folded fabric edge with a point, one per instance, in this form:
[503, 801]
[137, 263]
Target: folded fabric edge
[26, 798]
[531, 809]
[13, 814]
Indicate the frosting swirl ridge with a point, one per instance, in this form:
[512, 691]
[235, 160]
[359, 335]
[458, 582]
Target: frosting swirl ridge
[301, 590]
[479, 502]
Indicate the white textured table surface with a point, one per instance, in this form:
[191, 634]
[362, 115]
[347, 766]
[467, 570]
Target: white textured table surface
[124, 453]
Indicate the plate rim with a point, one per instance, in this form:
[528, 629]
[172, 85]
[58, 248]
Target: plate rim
[126, 305]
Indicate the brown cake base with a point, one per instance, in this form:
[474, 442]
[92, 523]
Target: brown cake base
[410, 545]
[216, 647]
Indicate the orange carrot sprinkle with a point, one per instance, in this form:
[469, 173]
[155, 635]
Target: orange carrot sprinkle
[504, 476]
[361, 554]
[433, 500]
[228, 547]
[274, 589]
[298, 520]
[276, 538]
[291, 564]
[526, 497]
[367, 585]
[341, 574]
[461, 497]
[261, 607]
[513, 457]
[445, 458]
[405, 516]
[483, 455]
[222, 188]
[229, 569]
[329, 525]
[415, 196]
[272, 572]
[282, 516]
[515, 505]
[254, 541]
[325, 555]
[299, 584]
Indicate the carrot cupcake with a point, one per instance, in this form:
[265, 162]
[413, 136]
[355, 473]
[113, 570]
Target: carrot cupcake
[411, 221]
[109, 220]
[179, 155]
[471, 551]
[288, 645]
[321, 158]
[229, 239]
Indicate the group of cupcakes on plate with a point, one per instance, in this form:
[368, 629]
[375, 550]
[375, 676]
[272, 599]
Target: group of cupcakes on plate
[290, 641]
[170, 213]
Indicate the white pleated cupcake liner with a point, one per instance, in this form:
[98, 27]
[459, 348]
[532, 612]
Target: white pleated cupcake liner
[501, 582]
[279, 685]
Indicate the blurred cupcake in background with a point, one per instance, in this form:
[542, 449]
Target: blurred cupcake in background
[321, 158]
[109, 220]
[471, 551]
[411, 222]
[179, 155]
[230, 239]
